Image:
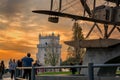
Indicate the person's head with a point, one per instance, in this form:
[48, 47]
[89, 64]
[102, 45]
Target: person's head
[10, 60]
[28, 54]
[13, 60]
[18, 60]
[2, 62]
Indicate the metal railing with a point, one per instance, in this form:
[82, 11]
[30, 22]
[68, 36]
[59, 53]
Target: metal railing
[90, 67]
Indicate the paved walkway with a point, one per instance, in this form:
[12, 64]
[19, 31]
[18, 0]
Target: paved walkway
[6, 77]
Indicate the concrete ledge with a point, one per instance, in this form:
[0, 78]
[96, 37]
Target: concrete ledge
[94, 43]
[66, 77]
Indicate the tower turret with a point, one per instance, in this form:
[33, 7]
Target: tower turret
[49, 50]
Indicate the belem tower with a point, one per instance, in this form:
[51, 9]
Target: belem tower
[49, 50]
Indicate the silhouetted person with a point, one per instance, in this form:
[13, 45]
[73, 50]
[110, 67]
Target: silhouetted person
[27, 62]
[73, 70]
[2, 69]
[80, 67]
[36, 65]
[19, 71]
[13, 67]
[10, 61]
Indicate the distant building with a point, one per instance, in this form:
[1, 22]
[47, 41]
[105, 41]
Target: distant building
[49, 50]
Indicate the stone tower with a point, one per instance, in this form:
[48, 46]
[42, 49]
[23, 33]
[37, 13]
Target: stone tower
[49, 50]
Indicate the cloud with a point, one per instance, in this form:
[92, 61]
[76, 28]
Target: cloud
[12, 7]
[20, 27]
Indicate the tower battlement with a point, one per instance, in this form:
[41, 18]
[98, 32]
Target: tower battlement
[49, 45]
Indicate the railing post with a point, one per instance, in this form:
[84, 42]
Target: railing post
[32, 73]
[15, 73]
[90, 71]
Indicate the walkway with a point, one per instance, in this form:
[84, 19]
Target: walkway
[6, 77]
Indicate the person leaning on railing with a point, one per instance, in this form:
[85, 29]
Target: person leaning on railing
[36, 65]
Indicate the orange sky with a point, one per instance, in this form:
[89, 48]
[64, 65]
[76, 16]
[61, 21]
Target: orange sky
[19, 27]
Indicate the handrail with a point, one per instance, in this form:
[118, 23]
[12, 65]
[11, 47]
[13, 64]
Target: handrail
[90, 67]
[106, 65]
[52, 67]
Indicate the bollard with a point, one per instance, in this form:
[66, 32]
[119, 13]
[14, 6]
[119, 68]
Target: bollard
[90, 71]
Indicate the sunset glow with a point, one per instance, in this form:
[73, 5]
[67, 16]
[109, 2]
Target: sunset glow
[20, 28]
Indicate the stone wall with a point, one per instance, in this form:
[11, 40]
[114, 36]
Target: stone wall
[102, 56]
